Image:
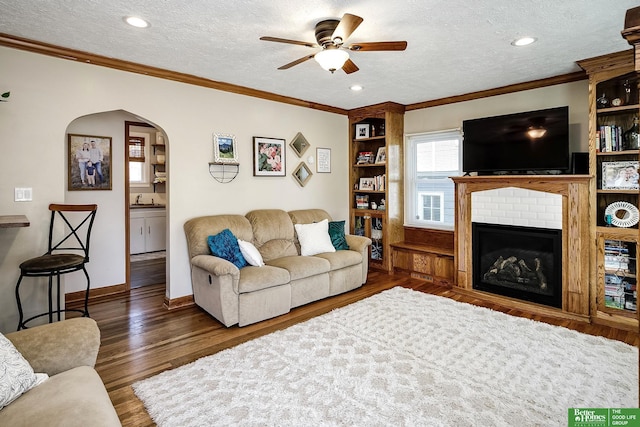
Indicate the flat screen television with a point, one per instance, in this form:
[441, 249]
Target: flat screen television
[529, 142]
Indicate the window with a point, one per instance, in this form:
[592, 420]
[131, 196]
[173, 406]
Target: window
[431, 158]
[138, 161]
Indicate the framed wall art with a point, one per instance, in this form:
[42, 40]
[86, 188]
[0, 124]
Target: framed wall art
[323, 160]
[89, 159]
[620, 175]
[299, 144]
[224, 149]
[268, 156]
[302, 174]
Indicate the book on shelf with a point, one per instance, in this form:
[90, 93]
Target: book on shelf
[609, 138]
[365, 157]
[362, 201]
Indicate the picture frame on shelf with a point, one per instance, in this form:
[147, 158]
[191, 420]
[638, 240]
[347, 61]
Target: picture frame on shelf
[381, 155]
[268, 156]
[620, 175]
[225, 149]
[362, 130]
[323, 160]
[367, 184]
[89, 162]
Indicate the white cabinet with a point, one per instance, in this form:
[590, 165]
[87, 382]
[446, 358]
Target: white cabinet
[148, 230]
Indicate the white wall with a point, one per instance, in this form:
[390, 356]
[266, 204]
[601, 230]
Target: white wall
[575, 95]
[48, 94]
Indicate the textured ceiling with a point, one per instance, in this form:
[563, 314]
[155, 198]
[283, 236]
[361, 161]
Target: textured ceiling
[454, 46]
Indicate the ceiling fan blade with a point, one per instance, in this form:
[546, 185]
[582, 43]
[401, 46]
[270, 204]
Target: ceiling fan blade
[296, 62]
[346, 27]
[374, 46]
[349, 67]
[279, 40]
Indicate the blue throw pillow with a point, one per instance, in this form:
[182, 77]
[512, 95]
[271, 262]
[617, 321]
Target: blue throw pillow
[336, 232]
[225, 245]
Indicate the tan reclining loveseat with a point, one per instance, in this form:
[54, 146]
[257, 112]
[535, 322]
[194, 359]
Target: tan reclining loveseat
[251, 294]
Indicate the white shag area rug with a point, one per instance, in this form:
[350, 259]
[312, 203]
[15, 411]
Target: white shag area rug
[400, 358]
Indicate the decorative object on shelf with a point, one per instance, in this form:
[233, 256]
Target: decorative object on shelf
[299, 144]
[627, 91]
[374, 205]
[602, 101]
[224, 172]
[268, 156]
[89, 162]
[366, 184]
[362, 130]
[382, 205]
[623, 214]
[631, 137]
[323, 156]
[4, 97]
[620, 175]
[302, 174]
[381, 156]
[224, 148]
[616, 102]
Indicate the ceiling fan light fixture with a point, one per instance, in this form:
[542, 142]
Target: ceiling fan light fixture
[331, 59]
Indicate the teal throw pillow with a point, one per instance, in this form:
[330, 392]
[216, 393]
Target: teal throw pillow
[336, 233]
[225, 245]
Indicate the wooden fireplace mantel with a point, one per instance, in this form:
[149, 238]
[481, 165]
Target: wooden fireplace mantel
[576, 239]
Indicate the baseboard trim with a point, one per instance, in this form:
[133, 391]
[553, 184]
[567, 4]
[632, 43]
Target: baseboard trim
[173, 304]
[73, 297]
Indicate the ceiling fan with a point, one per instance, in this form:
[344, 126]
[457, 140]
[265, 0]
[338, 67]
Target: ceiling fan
[330, 36]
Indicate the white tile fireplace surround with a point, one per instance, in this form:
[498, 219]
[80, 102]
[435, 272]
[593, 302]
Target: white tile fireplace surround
[540, 201]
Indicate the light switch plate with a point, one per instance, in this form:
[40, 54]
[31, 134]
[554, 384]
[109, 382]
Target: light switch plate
[23, 194]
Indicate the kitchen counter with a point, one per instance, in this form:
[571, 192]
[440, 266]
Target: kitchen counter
[152, 206]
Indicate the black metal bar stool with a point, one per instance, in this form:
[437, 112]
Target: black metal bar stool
[63, 256]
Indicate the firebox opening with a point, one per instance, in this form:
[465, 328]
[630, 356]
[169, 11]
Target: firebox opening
[518, 262]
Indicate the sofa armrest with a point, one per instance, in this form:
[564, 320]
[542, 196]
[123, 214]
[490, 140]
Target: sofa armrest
[216, 266]
[357, 243]
[58, 347]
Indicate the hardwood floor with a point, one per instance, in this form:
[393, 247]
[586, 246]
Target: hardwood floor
[148, 272]
[140, 338]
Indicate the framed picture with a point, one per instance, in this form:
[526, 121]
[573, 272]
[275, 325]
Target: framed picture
[362, 131]
[620, 175]
[268, 156]
[89, 159]
[323, 160]
[366, 183]
[225, 149]
[381, 156]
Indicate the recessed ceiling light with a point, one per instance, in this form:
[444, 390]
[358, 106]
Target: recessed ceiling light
[524, 41]
[356, 88]
[136, 22]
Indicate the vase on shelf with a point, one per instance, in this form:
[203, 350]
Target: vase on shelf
[631, 137]
[602, 102]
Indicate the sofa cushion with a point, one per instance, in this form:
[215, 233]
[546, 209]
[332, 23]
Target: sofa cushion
[314, 238]
[16, 375]
[341, 259]
[225, 245]
[273, 233]
[300, 267]
[336, 233]
[72, 399]
[198, 229]
[257, 278]
[250, 253]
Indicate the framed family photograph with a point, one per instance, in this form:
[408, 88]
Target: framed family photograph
[362, 131]
[381, 156]
[225, 149]
[89, 160]
[620, 175]
[366, 184]
[268, 156]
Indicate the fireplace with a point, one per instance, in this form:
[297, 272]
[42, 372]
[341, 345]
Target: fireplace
[518, 262]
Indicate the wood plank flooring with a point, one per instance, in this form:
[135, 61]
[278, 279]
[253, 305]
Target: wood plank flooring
[141, 339]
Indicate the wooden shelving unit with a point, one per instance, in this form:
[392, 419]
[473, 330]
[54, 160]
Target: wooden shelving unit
[613, 258]
[385, 124]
